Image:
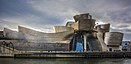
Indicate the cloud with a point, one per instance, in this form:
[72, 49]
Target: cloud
[43, 14]
[7, 24]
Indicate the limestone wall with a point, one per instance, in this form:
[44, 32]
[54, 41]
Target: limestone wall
[113, 38]
[30, 46]
[43, 41]
[82, 16]
[39, 37]
[85, 24]
[29, 39]
[62, 28]
[42, 46]
[103, 28]
[70, 24]
[10, 34]
[114, 48]
[1, 34]
[8, 41]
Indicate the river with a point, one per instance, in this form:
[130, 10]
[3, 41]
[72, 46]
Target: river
[65, 61]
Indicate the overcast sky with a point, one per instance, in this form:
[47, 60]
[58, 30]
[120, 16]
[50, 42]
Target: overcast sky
[43, 14]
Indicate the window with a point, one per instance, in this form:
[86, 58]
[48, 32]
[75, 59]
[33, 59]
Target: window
[110, 49]
[70, 25]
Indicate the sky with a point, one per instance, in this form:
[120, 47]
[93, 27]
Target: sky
[44, 14]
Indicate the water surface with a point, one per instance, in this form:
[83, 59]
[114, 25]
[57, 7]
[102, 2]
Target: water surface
[65, 61]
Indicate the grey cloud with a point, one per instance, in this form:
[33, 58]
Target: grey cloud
[46, 13]
[24, 13]
[123, 26]
[7, 24]
[128, 30]
[127, 37]
[123, 16]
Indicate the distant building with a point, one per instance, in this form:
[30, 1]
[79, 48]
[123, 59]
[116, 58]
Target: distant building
[126, 45]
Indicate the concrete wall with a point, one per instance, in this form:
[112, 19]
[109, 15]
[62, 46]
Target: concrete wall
[62, 28]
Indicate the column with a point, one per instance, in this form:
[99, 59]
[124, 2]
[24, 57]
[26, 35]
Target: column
[85, 41]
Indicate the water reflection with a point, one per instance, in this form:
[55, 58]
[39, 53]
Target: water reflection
[65, 61]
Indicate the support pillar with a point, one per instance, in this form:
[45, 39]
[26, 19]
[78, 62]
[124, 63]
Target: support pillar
[0, 50]
[74, 42]
[85, 48]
